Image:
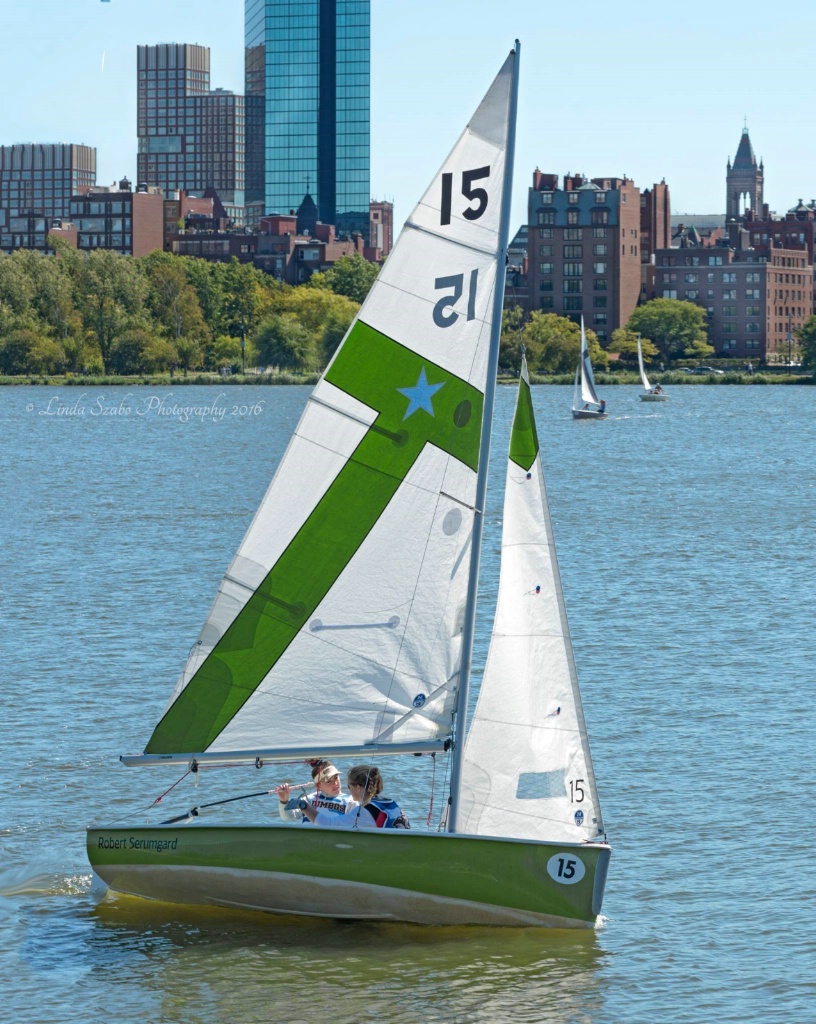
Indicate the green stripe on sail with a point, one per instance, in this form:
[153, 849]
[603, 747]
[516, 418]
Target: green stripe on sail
[372, 368]
[523, 437]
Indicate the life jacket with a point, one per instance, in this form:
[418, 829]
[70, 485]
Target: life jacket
[386, 813]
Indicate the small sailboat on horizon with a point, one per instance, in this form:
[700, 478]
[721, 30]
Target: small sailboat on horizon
[649, 393]
[585, 402]
[344, 625]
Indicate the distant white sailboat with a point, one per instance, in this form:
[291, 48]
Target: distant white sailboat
[649, 393]
[585, 402]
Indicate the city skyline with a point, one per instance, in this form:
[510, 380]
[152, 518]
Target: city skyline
[649, 97]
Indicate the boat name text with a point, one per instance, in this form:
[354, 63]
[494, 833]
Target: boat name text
[135, 843]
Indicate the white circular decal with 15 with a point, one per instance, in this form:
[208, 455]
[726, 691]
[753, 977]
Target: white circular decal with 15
[565, 868]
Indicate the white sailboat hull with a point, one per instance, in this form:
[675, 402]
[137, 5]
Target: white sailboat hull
[588, 414]
[649, 397]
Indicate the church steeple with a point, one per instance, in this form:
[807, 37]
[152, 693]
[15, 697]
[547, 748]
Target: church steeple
[744, 181]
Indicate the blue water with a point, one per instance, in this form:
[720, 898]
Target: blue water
[684, 533]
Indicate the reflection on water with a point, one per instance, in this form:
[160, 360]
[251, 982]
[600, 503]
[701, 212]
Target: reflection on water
[166, 963]
[246, 963]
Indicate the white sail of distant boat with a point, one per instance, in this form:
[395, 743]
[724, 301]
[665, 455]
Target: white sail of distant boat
[344, 626]
[649, 393]
[532, 769]
[585, 401]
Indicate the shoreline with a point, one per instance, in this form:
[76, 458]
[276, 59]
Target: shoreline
[670, 379]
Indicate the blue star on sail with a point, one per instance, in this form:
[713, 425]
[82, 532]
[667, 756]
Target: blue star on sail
[420, 395]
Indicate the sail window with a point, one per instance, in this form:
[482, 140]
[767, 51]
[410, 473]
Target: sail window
[541, 785]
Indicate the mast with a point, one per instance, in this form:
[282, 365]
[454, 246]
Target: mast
[461, 709]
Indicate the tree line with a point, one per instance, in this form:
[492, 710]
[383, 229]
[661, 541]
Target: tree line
[103, 313]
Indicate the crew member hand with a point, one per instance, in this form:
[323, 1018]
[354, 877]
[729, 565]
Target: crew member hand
[283, 791]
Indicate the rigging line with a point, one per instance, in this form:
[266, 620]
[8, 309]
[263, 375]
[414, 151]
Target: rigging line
[194, 811]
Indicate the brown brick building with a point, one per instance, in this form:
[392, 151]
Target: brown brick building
[585, 246]
[755, 299]
[131, 223]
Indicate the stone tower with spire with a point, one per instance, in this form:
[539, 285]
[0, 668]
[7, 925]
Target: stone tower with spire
[744, 181]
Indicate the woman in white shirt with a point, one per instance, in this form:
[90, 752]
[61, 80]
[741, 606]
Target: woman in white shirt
[368, 808]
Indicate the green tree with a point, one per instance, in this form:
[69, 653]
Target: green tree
[282, 340]
[110, 292]
[140, 351]
[677, 328]
[351, 276]
[806, 337]
[25, 351]
[557, 342]
[624, 342]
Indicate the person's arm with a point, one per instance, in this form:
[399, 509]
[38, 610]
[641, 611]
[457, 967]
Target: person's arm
[355, 817]
[287, 813]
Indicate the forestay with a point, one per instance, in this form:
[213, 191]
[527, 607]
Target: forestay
[340, 617]
[528, 772]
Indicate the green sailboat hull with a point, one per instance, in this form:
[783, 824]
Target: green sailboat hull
[424, 878]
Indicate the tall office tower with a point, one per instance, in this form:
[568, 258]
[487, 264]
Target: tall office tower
[308, 108]
[190, 138]
[41, 178]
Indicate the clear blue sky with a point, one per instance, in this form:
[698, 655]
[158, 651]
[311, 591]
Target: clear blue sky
[591, 98]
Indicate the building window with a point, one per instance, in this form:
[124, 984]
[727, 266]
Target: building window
[599, 250]
[599, 318]
[545, 233]
[573, 302]
[599, 284]
[573, 234]
[574, 287]
[752, 293]
[729, 293]
[599, 232]
[600, 216]
[545, 268]
[572, 216]
[545, 250]
[573, 270]
[729, 277]
[600, 197]
[692, 278]
[546, 198]
[729, 311]
[545, 286]
[598, 268]
[692, 294]
[669, 293]
[599, 302]
[573, 252]
[752, 328]
[715, 261]
[546, 302]
[573, 198]
[546, 216]
[752, 310]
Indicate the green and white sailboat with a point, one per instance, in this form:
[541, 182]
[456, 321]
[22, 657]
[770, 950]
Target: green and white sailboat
[344, 625]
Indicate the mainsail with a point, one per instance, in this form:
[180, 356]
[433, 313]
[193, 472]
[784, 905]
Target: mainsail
[584, 377]
[527, 767]
[644, 379]
[340, 618]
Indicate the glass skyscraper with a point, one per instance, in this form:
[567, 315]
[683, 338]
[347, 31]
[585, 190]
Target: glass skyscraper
[308, 108]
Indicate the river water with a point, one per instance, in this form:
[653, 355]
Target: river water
[685, 538]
